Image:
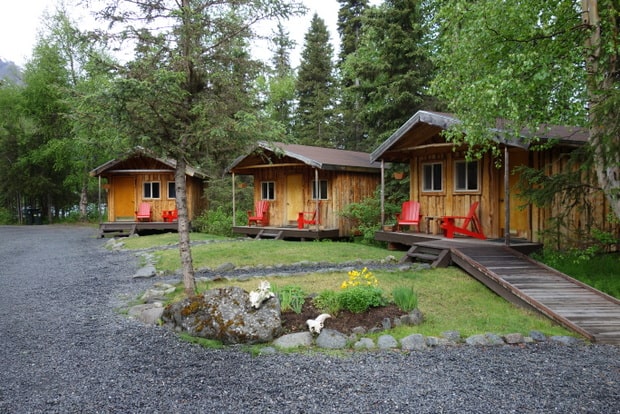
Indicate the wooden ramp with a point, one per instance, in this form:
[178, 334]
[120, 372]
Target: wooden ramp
[526, 282]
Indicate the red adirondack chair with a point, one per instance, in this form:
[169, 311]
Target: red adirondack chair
[170, 215]
[144, 212]
[409, 215]
[309, 217]
[261, 214]
[448, 224]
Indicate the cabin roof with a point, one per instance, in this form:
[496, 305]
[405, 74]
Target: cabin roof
[280, 154]
[425, 127]
[141, 160]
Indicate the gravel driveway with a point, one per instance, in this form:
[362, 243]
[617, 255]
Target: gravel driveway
[64, 349]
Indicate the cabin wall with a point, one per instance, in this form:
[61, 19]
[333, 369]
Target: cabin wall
[593, 210]
[125, 193]
[526, 220]
[343, 188]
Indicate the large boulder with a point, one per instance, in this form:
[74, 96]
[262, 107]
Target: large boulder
[225, 314]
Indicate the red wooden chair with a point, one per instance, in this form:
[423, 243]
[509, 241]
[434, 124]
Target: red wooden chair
[448, 224]
[309, 217]
[144, 212]
[170, 215]
[261, 214]
[409, 215]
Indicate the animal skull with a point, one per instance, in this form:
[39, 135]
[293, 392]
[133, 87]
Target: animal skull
[257, 297]
[316, 325]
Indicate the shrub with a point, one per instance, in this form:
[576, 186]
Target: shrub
[218, 222]
[359, 299]
[291, 297]
[327, 301]
[405, 298]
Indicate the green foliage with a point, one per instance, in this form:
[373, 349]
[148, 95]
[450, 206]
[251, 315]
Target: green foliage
[328, 301]
[217, 222]
[6, 217]
[359, 299]
[601, 271]
[291, 297]
[405, 298]
[366, 216]
[315, 88]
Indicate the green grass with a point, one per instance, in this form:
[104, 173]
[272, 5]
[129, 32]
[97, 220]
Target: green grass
[269, 252]
[449, 298]
[599, 271]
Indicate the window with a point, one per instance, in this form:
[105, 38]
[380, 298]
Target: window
[150, 190]
[172, 190]
[432, 177]
[466, 176]
[322, 190]
[268, 190]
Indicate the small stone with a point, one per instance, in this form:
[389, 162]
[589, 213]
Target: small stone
[364, 343]
[386, 324]
[415, 342]
[331, 339]
[538, 336]
[514, 338]
[294, 340]
[387, 342]
[454, 336]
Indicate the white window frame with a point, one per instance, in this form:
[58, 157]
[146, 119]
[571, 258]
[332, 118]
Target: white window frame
[268, 190]
[468, 176]
[149, 185]
[173, 188]
[323, 190]
[432, 188]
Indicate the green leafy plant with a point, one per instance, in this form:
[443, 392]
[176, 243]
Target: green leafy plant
[327, 301]
[291, 297]
[358, 299]
[405, 298]
[360, 278]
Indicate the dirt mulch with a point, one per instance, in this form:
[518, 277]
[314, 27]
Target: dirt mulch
[344, 322]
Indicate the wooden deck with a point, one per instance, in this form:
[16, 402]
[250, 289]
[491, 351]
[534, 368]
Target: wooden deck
[128, 228]
[287, 233]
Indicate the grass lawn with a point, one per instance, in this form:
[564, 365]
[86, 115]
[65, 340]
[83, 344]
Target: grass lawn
[449, 298]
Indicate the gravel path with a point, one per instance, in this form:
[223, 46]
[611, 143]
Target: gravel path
[64, 349]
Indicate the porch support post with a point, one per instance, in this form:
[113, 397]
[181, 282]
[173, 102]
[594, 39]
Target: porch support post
[234, 208]
[99, 203]
[506, 196]
[382, 194]
[318, 198]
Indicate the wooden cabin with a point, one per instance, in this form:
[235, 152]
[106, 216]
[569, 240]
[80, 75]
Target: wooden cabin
[300, 178]
[446, 184]
[143, 178]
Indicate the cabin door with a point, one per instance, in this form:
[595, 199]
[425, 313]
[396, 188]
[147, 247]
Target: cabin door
[519, 218]
[294, 197]
[124, 198]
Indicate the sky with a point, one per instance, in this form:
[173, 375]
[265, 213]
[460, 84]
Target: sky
[20, 22]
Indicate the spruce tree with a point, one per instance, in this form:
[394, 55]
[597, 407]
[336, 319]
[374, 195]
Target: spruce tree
[393, 67]
[315, 88]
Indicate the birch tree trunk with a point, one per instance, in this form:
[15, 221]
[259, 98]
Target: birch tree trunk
[183, 222]
[602, 73]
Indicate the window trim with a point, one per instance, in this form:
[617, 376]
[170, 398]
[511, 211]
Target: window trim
[264, 190]
[456, 180]
[321, 195]
[168, 190]
[150, 186]
[423, 177]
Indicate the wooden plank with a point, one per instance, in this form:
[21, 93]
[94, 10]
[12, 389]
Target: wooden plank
[521, 280]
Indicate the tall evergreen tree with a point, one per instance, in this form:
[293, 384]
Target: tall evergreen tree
[281, 80]
[186, 93]
[351, 135]
[315, 88]
[393, 67]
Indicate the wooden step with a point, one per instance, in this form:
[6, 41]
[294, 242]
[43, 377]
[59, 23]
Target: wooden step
[438, 257]
[264, 234]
